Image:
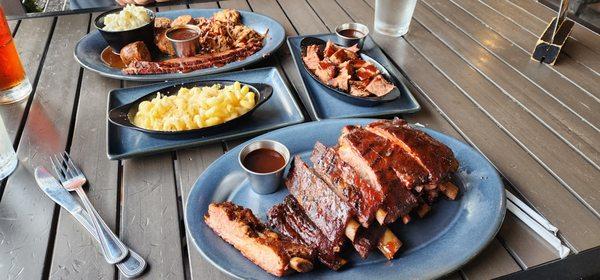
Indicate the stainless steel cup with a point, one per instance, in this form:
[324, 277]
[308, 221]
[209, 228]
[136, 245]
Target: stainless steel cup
[350, 41]
[188, 47]
[265, 183]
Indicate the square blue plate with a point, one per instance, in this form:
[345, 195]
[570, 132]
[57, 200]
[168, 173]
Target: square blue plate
[324, 106]
[279, 111]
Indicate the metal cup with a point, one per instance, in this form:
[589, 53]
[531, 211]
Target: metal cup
[350, 41]
[265, 183]
[188, 47]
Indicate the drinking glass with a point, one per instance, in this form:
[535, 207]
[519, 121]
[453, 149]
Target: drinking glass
[8, 157]
[14, 84]
[392, 17]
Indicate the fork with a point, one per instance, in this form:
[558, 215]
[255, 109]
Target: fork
[73, 179]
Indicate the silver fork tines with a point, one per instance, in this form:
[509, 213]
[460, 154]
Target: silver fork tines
[73, 179]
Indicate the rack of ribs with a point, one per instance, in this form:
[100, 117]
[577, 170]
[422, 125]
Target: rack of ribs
[289, 219]
[369, 155]
[239, 227]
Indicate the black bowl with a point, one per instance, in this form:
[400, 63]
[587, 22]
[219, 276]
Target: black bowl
[124, 114]
[347, 97]
[118, 39]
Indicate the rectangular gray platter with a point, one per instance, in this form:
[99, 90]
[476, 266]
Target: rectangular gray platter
[279, 111]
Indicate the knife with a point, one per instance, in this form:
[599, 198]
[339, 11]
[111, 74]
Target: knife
[132, 266]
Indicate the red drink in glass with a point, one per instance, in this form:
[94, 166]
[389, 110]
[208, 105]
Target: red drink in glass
[14, 85]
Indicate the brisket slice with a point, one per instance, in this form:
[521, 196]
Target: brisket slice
[346, 183]
[368, 154]
[267, 249]
[188, 64]
[289, 219]
[435, 157]
[324, 208]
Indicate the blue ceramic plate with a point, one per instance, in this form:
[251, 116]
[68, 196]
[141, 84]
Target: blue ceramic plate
[88, 49]
[322, 103]
[452, 234]
[279, 111]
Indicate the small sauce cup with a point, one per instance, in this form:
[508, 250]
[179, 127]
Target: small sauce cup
[352, 33]
[184, 39]
[264, 182]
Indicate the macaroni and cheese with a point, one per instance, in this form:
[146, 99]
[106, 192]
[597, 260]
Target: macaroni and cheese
[195, 107]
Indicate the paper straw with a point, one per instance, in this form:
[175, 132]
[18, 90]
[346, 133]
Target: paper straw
[562, 250]
[534, 215]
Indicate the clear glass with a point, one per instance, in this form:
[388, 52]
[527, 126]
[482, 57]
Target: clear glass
[14, 84]
[8, 157]
[392, 17]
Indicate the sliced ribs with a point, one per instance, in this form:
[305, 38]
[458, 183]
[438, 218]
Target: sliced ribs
[324, 208]
[435, 157]
[355, 191]
[369, 154]
[273, 253]
[289, 219]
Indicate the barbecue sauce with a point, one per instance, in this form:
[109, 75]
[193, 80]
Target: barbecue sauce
[182, 34]
[111, 59]
[263, 161]
[351, 33]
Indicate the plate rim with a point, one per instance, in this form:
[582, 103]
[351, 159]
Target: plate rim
[160, 77]
[487, 239]
[270, 69]
[402, 80]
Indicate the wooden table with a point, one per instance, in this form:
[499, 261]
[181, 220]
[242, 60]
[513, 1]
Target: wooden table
[468, 61]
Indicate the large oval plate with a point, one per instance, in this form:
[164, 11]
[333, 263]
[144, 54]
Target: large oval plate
[452, 234]
[88, 49]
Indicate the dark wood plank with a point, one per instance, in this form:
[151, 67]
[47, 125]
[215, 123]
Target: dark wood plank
[519, 89]
[27, 214]
[149, 215]
[171, 8]
[580, 33]
[334, 15]
[579, 74]
[241, 5]
[190, 165]
[480, 268]
[542, 75]
[573, 48]
[31, 49]
[516, 165]
[527, 129]
[76, 254]
[528, 247]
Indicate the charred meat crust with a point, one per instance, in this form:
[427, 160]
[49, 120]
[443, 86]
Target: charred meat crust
[289, 219]
[240, 228]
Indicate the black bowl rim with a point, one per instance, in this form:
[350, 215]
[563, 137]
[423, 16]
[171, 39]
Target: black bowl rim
[267, 91]
[102, 15]
[373, 99]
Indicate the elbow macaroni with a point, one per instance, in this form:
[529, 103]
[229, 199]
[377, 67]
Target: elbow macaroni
[196, 107]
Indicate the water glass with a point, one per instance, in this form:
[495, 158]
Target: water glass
[8, 157]
[14, 84]
[392, 17]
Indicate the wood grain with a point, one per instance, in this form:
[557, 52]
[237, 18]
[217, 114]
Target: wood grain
[480, 268]
[190, 165]
[27, 214]
[31, 49]
[542, 75]
[149, 217]
[579, 74]
[526, 94]
[515, 164]
[573, 48]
